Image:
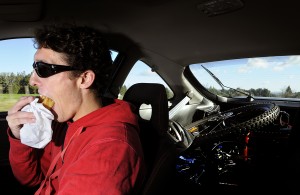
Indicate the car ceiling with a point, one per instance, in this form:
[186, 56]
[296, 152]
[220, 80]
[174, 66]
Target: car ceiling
[177, 30]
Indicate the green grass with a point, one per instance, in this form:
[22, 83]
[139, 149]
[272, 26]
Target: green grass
[8, 100]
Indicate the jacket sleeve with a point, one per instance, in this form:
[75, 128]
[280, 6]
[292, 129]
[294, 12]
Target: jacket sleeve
[24, 162]
[111, 168]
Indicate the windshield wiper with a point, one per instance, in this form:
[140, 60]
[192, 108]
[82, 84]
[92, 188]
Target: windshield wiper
[249, 96]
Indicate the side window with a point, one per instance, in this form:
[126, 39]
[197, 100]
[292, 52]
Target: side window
[16, 58]
[141, 72]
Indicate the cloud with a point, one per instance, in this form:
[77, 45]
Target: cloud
[147, 73]
[290, 61]
[277, 63]
[294, 60]
[258, 63]
[252, 63]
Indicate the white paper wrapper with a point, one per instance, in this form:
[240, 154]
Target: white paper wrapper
[37, 134]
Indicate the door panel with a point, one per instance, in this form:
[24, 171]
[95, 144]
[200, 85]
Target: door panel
[8, 184]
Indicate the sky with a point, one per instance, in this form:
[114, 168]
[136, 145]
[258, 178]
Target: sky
[16, 55]
[273, 73]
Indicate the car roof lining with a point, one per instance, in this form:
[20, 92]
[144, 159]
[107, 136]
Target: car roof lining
[258, 29]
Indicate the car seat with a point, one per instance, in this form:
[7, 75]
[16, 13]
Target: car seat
[159, 150]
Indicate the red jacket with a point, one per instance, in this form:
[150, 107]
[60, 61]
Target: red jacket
[104, 156]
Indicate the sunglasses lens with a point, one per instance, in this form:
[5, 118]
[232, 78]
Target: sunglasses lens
[43, 70]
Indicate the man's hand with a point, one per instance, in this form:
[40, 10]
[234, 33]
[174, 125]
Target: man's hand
[16, 118]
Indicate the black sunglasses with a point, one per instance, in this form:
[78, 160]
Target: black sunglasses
[45, 70]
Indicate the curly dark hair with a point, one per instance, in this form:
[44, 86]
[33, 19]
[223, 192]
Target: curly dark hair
[83, 47]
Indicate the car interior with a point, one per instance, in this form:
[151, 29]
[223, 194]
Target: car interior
[196, 139]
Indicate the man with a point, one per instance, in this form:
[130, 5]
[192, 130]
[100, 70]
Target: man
[95, 146]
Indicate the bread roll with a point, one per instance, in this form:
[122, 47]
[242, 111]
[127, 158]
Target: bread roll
[47, 102]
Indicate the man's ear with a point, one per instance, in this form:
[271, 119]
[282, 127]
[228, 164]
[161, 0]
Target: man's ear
[86, 79]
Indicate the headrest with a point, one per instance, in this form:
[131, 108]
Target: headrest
[155, 95]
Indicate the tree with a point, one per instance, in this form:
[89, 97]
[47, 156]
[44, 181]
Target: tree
[288, 92]
[122, 91]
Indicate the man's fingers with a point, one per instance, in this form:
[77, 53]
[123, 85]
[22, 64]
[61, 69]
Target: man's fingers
[19, 118]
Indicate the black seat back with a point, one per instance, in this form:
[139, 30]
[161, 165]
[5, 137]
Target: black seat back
[159, 151]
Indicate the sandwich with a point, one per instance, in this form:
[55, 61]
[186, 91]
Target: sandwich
[46, 101]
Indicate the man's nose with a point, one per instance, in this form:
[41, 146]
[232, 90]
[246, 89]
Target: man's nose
[34, 79]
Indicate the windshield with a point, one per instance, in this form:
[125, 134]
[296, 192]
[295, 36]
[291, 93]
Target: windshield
[276, 76]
